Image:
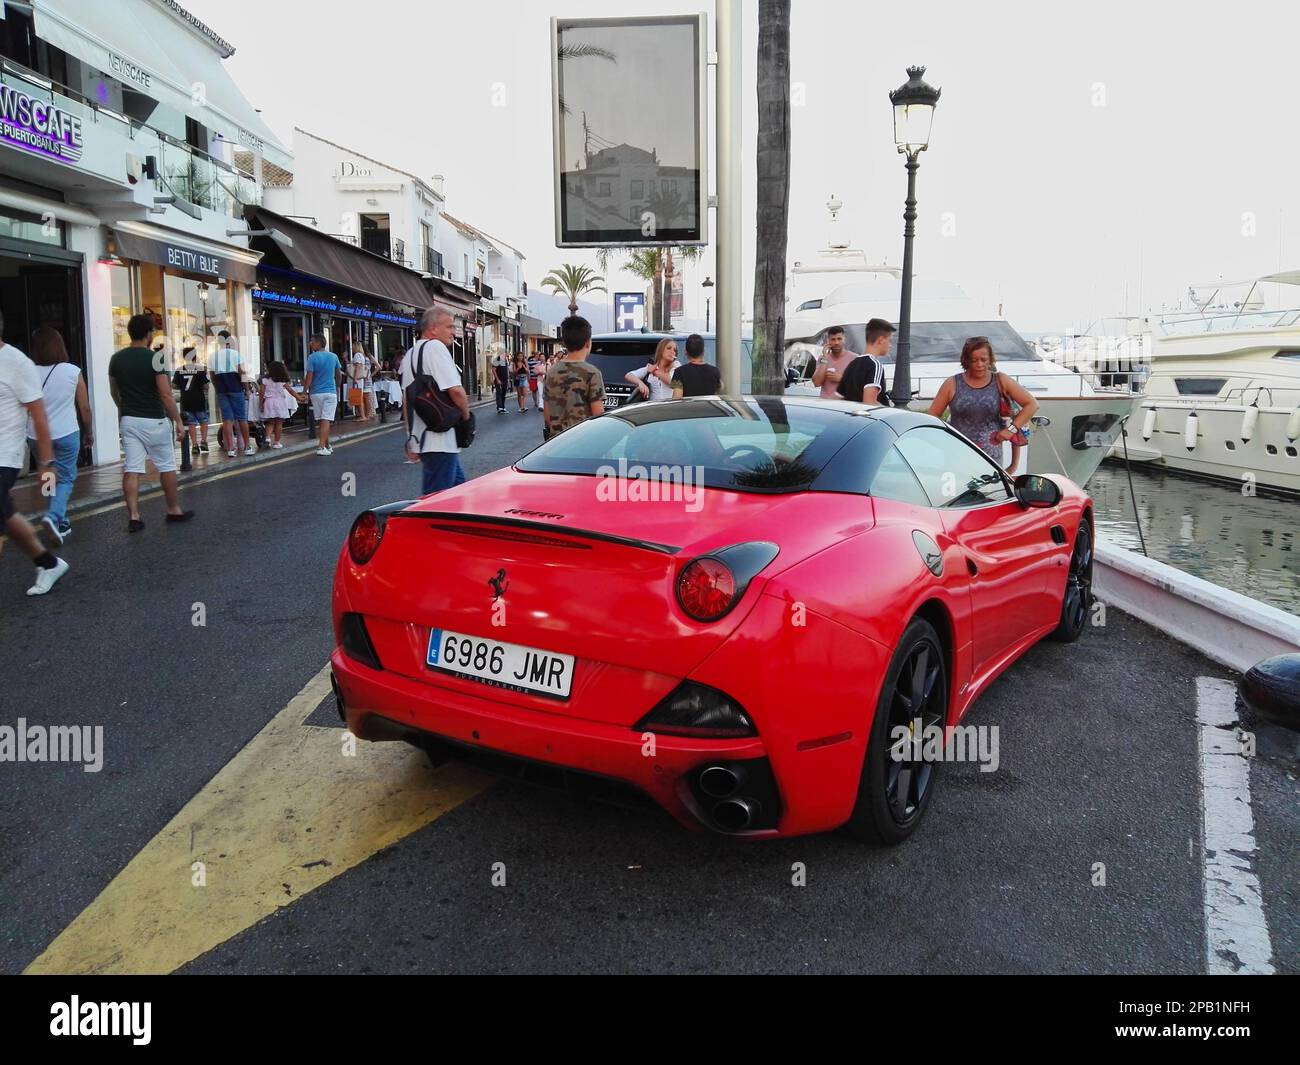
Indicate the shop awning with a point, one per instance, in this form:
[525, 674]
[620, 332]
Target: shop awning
[180, 251]
[162, 55]
[336, 261]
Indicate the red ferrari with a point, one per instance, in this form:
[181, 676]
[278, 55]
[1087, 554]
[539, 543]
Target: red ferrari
[728, 606]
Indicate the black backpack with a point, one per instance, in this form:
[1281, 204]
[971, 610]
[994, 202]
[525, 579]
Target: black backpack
[425, 399]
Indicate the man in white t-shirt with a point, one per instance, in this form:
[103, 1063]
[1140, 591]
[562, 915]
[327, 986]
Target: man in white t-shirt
[21, 399]
[431, 357]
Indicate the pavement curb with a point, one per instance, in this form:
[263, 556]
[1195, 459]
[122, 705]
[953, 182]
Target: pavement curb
[264, 455]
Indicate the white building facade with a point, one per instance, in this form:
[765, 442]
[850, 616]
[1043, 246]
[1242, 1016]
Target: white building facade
[119, 191]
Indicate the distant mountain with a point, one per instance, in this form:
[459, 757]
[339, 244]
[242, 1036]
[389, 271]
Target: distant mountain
[554, 309]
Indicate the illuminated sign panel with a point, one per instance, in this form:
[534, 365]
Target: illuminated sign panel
[38, 126]
[628, 97]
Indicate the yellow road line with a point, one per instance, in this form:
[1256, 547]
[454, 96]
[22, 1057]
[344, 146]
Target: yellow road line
[249, 467]
[288, 813]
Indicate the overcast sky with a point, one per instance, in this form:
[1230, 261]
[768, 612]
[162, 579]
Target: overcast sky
[1086, 159]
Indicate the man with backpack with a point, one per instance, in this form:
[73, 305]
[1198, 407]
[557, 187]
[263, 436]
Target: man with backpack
[429, 362]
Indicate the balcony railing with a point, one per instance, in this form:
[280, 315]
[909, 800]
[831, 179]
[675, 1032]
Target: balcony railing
[432, 261]
[482, 288]
[377, 241]
[186, 172]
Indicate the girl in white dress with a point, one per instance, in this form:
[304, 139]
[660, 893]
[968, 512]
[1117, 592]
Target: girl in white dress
[276, 396]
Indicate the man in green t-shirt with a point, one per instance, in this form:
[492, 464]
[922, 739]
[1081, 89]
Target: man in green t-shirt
[142, 390]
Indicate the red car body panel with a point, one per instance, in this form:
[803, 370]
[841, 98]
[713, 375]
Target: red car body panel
[804, 651]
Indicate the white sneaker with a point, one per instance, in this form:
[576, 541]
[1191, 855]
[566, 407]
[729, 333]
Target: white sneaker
[230, 454]
[46, 578]
[324, 451]
[276, 446]
[251, 449]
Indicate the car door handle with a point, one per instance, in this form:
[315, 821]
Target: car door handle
[971, 568]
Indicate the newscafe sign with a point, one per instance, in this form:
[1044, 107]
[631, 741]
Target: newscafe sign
[39, 126]
[628, 111]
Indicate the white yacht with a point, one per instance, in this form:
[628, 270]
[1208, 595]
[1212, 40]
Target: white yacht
[1078, 419]
[1222, 398]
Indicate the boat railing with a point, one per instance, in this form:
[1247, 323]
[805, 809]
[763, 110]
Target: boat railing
[1220, 323]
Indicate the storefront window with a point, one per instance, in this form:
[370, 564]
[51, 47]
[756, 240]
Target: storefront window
[19, 225]
[195, 312]
[119, 278]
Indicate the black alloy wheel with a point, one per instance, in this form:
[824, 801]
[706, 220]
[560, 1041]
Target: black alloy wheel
[898, 779]
[1077, 599]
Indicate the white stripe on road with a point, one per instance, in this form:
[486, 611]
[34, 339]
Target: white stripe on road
[1236, 933]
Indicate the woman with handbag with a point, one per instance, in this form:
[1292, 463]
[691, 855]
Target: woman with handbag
[979, 404]
[361, 385]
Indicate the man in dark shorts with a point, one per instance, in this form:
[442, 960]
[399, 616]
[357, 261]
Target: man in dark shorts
[574, 390]
[697, 377]
[21, 397]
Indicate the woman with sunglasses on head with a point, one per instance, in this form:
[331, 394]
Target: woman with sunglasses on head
[975, 398]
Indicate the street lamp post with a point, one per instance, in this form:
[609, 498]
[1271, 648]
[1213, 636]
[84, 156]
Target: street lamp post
[914, 104]
[708, 283]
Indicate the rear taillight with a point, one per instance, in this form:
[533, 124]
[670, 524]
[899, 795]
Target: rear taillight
[712, 584]
[363, 540]
[706, 589]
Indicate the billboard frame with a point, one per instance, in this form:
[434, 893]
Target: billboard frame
[702, 128]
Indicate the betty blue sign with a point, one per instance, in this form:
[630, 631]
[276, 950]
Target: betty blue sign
[37, 126]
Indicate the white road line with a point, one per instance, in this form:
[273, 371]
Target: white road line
[1236, 933]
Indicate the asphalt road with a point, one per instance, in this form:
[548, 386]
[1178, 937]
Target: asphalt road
[1098, 765]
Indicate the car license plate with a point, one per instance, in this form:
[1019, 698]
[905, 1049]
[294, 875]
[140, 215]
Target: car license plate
[505, 665]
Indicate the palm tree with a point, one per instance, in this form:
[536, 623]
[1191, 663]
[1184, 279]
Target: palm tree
[573, 281]
[773, 195]
[581, 51]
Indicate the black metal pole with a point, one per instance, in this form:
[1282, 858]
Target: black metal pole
[707, 309]
[902, 389]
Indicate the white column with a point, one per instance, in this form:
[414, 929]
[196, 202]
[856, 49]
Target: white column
[728, 132]
[98, 316]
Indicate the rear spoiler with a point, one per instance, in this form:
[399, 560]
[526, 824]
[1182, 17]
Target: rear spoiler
[537, 526]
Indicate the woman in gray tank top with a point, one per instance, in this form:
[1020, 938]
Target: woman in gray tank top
[972, 400]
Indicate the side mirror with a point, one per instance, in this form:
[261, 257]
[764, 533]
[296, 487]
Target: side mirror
[1035, 490]
[791, 376]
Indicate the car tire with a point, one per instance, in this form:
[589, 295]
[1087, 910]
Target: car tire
[893, 794]
[1076, 600]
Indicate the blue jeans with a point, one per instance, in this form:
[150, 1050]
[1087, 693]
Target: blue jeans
[66, 450]
[234, 406]
[442, 469]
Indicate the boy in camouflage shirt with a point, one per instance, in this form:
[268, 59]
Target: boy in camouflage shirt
[574, 390]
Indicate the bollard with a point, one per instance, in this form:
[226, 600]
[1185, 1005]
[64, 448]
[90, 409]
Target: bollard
[186, 464]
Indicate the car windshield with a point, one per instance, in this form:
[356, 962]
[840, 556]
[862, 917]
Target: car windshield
[754, 445]
[942, 341]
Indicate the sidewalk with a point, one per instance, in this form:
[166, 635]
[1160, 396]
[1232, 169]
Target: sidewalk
[99, 485]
